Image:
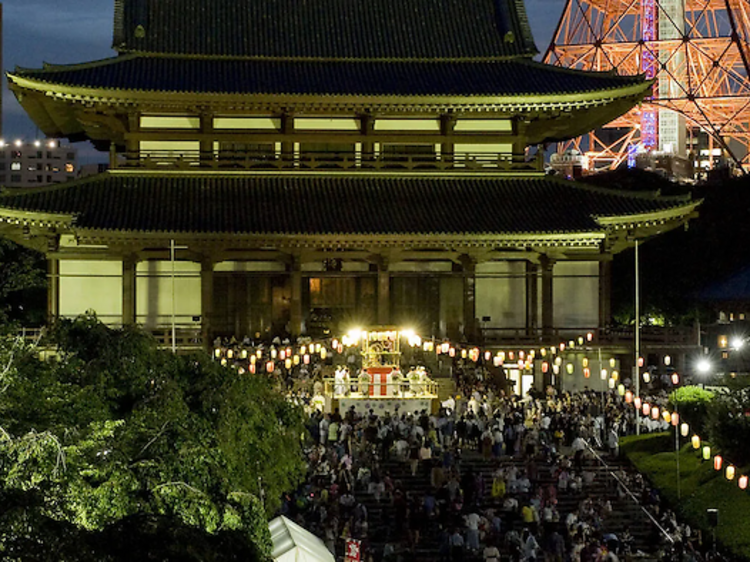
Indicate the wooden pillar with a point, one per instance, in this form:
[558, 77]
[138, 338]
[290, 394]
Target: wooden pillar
[295, 315]
[469, 265]
[548, 316]
[53, 289]
[384, 292]
[605, 293]
[287, 146]
[132, 144]
[129, 265]
[367, 128]
[207, 302]
[532, 299]
[447, 126]
[207, 140]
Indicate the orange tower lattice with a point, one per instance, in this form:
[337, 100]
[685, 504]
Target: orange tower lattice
[698, 52]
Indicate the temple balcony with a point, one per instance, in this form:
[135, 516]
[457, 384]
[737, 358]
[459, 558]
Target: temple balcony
[328, 161]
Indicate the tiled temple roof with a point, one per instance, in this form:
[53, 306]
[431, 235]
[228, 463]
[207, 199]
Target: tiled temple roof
[342, 29]
[312, 204]
[405, 78]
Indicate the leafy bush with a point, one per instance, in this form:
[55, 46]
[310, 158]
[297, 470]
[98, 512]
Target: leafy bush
[692, 402]
[729, 425]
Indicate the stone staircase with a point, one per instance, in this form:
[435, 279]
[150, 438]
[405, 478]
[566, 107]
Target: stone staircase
[382, 515]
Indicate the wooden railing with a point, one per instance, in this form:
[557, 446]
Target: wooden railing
[405, 389]
[651, 336]
[346, 161]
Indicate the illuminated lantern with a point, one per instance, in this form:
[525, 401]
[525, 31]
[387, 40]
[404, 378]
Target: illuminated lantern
[675, 379]
[611, 385]
[452, 352]
[288, 363]
[259, 353]
[334, 344]
[587, 372]
[655, 412]
[306, 359]
[543, 352]
[646, 408]
[695, 441]
[742, 482]
[585, 362]
[224, 361]
[487, 355]
[667, 416]
[463, 354]
[241, 370]
[569, 368]
[274, 353]
[647, 377]
[230, 353]
[571, 343]
[318, 348]
[270, 366]
[556, 369]
[426, 346]
[521, 364]
[295, 360]
[558, 360]
[545, 366]
[580, 340]
[243, 354]
[706, 452]
[637, 402]
[628, 396]
[511, 355]
[501, 355]
[521, 354]
[667, 360]
[445, 347]
[718, 461]
[562, 347]
[323, 353]
[612, 362]
[496, 361]
[640, 362]
[603, 374]
[217, 352]
[474, 354]
[615, 375]
[340, 348]
[589, 336]
[282, 354]
[251, 368]
[729, 472]
[253, 359]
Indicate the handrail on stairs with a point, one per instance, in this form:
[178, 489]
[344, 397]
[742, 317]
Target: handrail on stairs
[630, 494]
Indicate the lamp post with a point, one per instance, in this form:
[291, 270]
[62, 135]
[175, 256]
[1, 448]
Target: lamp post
[637, 339]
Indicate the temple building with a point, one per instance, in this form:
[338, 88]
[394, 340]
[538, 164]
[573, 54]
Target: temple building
[279, 166]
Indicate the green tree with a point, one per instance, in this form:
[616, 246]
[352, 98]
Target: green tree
[114, 435]
[23, 284]
[729, 422]
[692, 403]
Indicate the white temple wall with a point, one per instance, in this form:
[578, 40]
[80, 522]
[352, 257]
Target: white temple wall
[88, 285]
[451, 305]
[501, 294]
[575, 288]
[153, 293]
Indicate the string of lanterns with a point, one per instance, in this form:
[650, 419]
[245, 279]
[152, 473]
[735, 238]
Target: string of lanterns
[673, 418]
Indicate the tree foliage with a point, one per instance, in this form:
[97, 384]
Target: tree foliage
[116, 434]
[23, 283]
[729, 423]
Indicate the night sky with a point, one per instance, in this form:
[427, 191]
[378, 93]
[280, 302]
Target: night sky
[37, 31]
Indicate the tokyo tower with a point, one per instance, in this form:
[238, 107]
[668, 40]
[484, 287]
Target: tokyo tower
[696, 51]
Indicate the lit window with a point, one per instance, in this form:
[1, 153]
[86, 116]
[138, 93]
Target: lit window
[723, 342]
[15, 166]
[69, 167]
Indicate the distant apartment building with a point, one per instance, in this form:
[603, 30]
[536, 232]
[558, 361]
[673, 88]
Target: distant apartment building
[27, 164]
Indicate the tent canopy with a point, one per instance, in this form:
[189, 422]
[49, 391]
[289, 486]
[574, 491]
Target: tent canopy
[292, 543]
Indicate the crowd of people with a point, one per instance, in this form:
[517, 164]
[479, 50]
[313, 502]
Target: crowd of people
[481, 479]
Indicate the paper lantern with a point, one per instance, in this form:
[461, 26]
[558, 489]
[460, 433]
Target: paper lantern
[306, 359]
[675, 419]
[451, 352]
[318, 347]
[589, 336]
[334, 345]
[562, 347]
[628, 397]
[729, 472]
[655, 412]
[511, 355]
[501, 355]
[603, 374]
[695, 441]
[637, 402]
[615, 375]
[640, 362]
[646, 408]
[675, 379]
[340, 348]
[497, 361]
[543, 352]
[295, 359]
[585, 362]
[217, 352]
[224, 361]
[587, 372]
[487, 355]
[445, 347]
[463, 354]
[230, 353]
[253, 359]
[706, 452]
[667, 416]
[580, 340]
[521, 354]
[521, 364]
[259, 353]
[251, 368]
[323, 353]
[545, 367]
[474, 354]
[569, 368]
[288, 363]
[718, 461]
[558, 361]
[742, 482]
[270, 365]
[611, 385]
[667, 360]
[274, 353]
[556, 369]
[612, 362]
[647, 377]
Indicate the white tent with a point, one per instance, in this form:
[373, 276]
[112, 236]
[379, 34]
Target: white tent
[292, 543]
